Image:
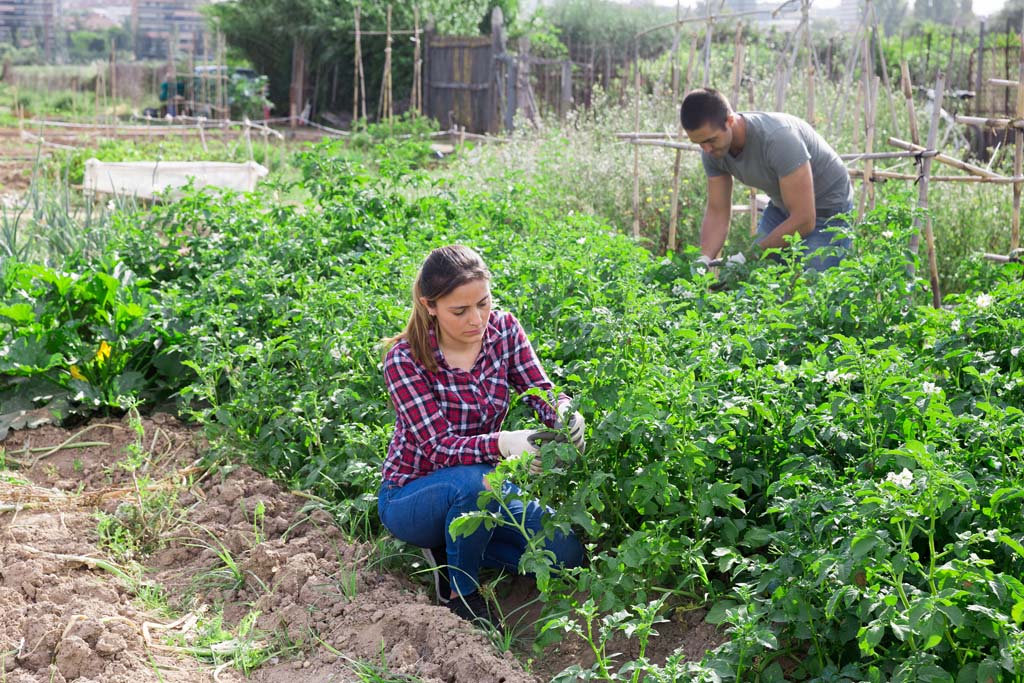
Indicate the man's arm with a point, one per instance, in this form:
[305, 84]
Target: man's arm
[798, 196]
[715, 226]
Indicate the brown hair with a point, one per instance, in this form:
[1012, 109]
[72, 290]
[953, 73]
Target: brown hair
[704, 106]
[444, 269]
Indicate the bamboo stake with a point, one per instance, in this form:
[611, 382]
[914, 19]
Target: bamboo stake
[689, 64]
[673, 219]
[417, 62]
[1018, 151]
[737, 66]
[753, 212]
[388, 109]
[805, 9]
[636, 150]
[892, 175]
[997, 123]
[908, 95]
[707, 44]
[358, 77]
[922, 196]
[945, 159]
[113, 81]
[676, 37]
[877, 34]
[842, 99]
[857, 106]
[868, 197]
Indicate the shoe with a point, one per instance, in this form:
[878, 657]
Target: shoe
[474, 608]
[437, 560]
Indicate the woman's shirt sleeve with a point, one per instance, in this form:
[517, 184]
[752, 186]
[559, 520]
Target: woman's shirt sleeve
[433, 437]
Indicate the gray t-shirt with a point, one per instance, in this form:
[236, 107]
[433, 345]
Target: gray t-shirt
[775, 146]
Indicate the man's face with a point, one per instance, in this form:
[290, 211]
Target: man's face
[713, 140]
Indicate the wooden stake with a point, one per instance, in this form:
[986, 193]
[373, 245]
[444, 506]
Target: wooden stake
[805, 7]
[113, 79]
[636, 149]
[922, 196]
[673, 215]
[946, 159]
[1018, 151]
[869, 164]
[753, 212]
[737, 67]
[689, 64]
[388, 109]
[417, 65]
[908, 95]
[357, 72]
[707, 44]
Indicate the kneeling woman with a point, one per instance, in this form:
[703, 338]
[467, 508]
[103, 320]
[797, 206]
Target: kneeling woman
[450, 375]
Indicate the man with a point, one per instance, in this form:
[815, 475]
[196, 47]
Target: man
[779, 154]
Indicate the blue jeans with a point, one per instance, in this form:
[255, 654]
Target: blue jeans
[824, 248]
[420, 513]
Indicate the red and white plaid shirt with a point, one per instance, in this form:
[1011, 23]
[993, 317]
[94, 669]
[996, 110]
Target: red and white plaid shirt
[452, 417]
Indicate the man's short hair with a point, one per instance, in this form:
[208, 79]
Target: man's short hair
[704, 106]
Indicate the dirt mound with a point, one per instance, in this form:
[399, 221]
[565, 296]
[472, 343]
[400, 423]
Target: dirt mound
[239, 574]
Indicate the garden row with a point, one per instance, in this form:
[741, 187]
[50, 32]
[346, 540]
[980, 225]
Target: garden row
[829, 465]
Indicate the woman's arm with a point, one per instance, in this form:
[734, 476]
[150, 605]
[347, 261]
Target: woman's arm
[525, 372]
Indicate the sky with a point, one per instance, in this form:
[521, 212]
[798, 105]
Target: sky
[981, 7]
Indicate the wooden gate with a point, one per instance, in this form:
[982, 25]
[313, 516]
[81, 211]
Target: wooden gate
[459, 82]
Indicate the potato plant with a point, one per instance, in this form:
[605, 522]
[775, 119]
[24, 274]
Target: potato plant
[828, 465]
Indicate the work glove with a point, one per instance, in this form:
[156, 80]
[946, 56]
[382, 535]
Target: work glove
[734, 269]
[538, 439]
[701, 265]
[514, 444]
[574, 423]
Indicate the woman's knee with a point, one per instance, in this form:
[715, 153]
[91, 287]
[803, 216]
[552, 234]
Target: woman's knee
[568, 550]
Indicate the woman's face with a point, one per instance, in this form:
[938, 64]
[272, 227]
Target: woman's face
[462, 314]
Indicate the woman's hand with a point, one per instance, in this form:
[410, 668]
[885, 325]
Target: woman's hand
[574, 423]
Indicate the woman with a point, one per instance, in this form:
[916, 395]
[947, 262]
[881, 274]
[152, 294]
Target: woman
[450, 374]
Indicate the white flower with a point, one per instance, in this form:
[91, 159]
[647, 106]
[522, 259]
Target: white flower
[718, 316]
[930, 388]
[983, 301]
[780, 367]
[336, 353]
[955, 325]
[835, 377]
[904, 479]
[581, 240]
[887, 234]
[1015, 351]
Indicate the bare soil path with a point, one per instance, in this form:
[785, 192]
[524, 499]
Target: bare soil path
[188, 553]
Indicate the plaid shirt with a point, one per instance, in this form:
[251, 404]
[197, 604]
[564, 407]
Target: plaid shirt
[452, 417]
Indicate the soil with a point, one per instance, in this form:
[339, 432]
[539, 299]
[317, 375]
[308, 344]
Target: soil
[219, 546]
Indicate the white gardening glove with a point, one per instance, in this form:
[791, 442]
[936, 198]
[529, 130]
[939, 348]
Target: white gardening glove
[574, 423]
[703, 263]
[737, 259]
[514, 444]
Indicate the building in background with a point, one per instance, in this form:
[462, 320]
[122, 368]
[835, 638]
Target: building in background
[161, 27]
[30, 23]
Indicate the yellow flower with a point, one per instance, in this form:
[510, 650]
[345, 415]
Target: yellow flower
[75, 374]
[104, 352]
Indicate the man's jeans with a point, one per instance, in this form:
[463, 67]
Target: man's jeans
[420, 513]
[824, 248]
